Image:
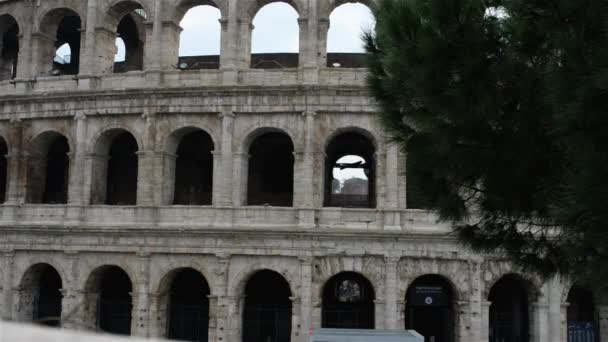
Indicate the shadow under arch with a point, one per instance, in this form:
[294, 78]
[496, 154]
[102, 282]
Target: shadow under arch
[40, 296]
[267, 311]
[108, 303]
[582, 315]
[510, 310]
[3, 169]
[348, 302]
[429, 310]
[184, 305]
[9, 46]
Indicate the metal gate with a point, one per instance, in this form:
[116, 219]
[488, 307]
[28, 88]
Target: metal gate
[267, 324]
[582, 332]
[189, 322]
[348, 318]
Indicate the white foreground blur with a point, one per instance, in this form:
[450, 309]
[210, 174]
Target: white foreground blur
[18, 332]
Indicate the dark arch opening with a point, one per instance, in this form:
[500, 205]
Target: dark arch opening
[267, 314]
[188, 307]
[3, 169]
[194, 169]
[582, 317]
[420, 182]
[68, 32]
[363, 194]
[348, 302]
[509, 317]
[270, 174]
[128, 31]
[429, 308]
[122, 171]
[42, 292]
[114, 306]
[9, 47]
[57, 172]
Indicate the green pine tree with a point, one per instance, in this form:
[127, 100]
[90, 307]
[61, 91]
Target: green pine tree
[502, 107]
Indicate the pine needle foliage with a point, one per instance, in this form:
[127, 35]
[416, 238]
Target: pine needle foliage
[502, 106]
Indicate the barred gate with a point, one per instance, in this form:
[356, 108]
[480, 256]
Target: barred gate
[582, 332]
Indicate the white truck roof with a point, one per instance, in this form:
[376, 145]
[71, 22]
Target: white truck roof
[364, 335]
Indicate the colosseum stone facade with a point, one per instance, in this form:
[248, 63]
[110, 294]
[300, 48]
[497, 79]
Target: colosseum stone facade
[156, 198]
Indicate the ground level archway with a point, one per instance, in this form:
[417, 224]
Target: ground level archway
[429, 308]
[348, 302]
[509, 311]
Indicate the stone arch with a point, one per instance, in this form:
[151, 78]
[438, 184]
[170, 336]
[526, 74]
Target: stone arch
[126, 18]
[360, 192]
[189, 167]
[267, 309]
[40, 294]
[252, 7]
[48, 168]
[171, 141]
[180, 7]
[173, 305]
[431, 307]
[117, 9]
[268, 168]
[239, 281]
[454, 272]
[49, 17]
[372, 268]
[9, 46]
[115, 169]
[351, 129]
[108, 304]
[101, 138]
[251, 133]
[58, 27]
[532, 286]
[348, 301]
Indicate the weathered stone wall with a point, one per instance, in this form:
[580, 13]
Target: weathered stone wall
[391, 245]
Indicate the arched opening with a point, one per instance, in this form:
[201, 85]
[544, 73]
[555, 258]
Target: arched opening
[41, 295]
[188, 306]
[509, 316]
[275, 39]
[348, 302]
[429, 309]
[200, 39]
[9, 47]
[345, 46]
[3, 169]
[122, 171]
[108, 292]
[582, 317]
[194, 168]
[267, 313]
[65, 26]
[130, 39]
[270, 172]
[115, 168]
[350, 170]
[48, 169]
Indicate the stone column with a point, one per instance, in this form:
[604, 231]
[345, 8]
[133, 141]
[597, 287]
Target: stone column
[213, 311]
[223, 164]
[71, 305]
[304, 176]
[76, 193]
[484, 331]
[392, 216]
[153, 60]
[42, 52]
[390, 285]
[475, 304]
[8, 268]
[380, 309]
[564, 322]
[380, 181]
[306, 297]
[239, 178]
[243, 54]
[169, 45]
[140, 318]
[88, 50]
[24, 56]
[539, 322]
[322, 29]
[148, 191]
[224, 309]
[296, 309]
[233, 318]
[16, 167]
[554, 314]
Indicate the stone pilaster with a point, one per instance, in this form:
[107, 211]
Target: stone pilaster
[76, 191]
[296, 304]
[16, 167]
[390, 285]
[484, 326]
[140, 316]
[88, 50]
[223, 163]
[239, 178]
[225, 306]
[71, 309]
[539, 322]
[148, 186]
[304, 175]
[305, 296]
[8, 269]
[322, 29]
